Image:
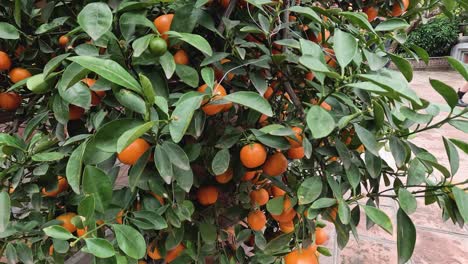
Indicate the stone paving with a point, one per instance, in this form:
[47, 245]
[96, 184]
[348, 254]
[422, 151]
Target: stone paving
[437, 242]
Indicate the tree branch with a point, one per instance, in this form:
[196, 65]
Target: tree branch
[227, 14]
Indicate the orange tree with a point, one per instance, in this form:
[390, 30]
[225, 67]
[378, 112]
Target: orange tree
[240, 125]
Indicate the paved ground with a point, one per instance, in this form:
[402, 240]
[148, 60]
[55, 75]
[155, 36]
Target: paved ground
[437, 242]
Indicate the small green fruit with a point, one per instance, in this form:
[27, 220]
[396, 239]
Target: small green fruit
[158, 46]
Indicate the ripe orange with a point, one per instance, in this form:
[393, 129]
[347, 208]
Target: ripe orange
[324, 104]
[174, 253]
[5, 61]
[66, 219]
[181, 57]
[18, 74]
[63, 41]
[330, 58]
[330, 214]
[152, 251]
[159, 198]
[287, 227]
[96, 96]
[277, 191]
[259, 196]
[75, 112]
[256, 220]
[253, 155]
[371, 13]
[321, 236]
[361, 148]
[224, 3]
[275, 165]
[296, 153]
[225, 177]
[218, 93]
[119, 217]
[318, 38]
[133, 152]
[302, 256]
[268, 93]
[81, 232]
[62, 185]
[310, 76]
[163, 24]
[142, 262]
[51, 250]
[249, 175]
[263, 120]
[295, 142]
[10, 101]
[288, 213]
[397, 10]
[207, 195]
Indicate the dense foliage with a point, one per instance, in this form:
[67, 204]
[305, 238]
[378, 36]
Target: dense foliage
[242, 128]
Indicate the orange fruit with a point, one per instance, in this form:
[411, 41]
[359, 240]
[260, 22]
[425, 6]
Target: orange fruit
[371, 13]
[63, 41]
[10, 101]
[159, 198]
[181, 57]
[288, 213]
[207, 195]
[133, 152]
[224, 3]
[96, 96]
[217, 94]
[66, 221]
[11, 190]
[163, 24]
[361, 148]
[330, 214]
[256, 220]
[253, 155]
[249, 175]
[287, 227]
[330, 57]
[397, 10]
[62, 185]
[259, 196]
[75, 112]
[295, 142]
[5, 61]
[296, 153]
[326, 106]
[142, 262]
[174, 253]
[318, 38]
[225, 177]
[263, 120]
[230, 75]
[275, 165]
[277, 191]
[18, 74]
[302, 256]
[119, 217]
[51, 250]
[153, 251]
[268, 93]
[310, 76]
[99, 222]
[321, 236]
[81, 232]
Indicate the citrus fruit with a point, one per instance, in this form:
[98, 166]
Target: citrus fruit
[51, 250]
[330, 57]
[253, 155]
[224, 177]
[207, 195]
[158, 46]
[119, 217]
[159, 198]
[81, 231]
[96, 96]
[371, 13]
[297, 141]
[296, 153]
[62, 185]
[288, 213]
[75, 112]
[133, 152]
[268, 93]
[397, 9]
[277, 191]
[302, 256]
[259, 197]
[153, 251]
[66, 221]
[287, 227]
[318, 38]
[163, 24]
[63, 41]
[18, 74]
[361, 148]
[275, 165]
[249, 175]
[217, 94]
[256, 220]
[330, 214]
[174, 253]
[181, 57]
[5, 61]
[310, 76]
[321, 236]
[10, 101]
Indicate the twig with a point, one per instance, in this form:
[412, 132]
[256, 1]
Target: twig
[227, 14]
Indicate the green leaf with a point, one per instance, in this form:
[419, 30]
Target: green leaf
[54, 24]
[136, 171]
[309, 190]
[345, 47]
[107, 136]
[403, 65]
[460, 144]
[168, 64]
[275, 205]
[459, 67]
[406, 237]
[373, 164]
[148, 90]
[320, 122]
[10, 251]
[367, 138]
[24, 253]
[163, 164]
[461, 125]
[140, 45]
[194, 40]
[78, 94]
[8, 31]
[353, 175]
[323, 203]
[344, 212]
[182, 116]
[307, 12]
[379, 217]
[422, 53]
[133, 134]
[313, 63]
[54, 63]
[100, 247]
[184, 178]
[158, 222]
[109, 70]
[11, 141]
[399, 151]
[188, 75]
[415, 116]
[446, 91]
[220, 162]
[97, 183]
[33, 123]
[452, 154]
[392, 24]
[375, 61]
[252, 100]
[95, 19]
[407, 201]
[74, 168]
[47, 156]
[5, 208]
[86, 208]
[208, 232]
[358, 19]
[258, 81]
[130, 241]
[176, 155]
[58, 232]
[461, 198]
